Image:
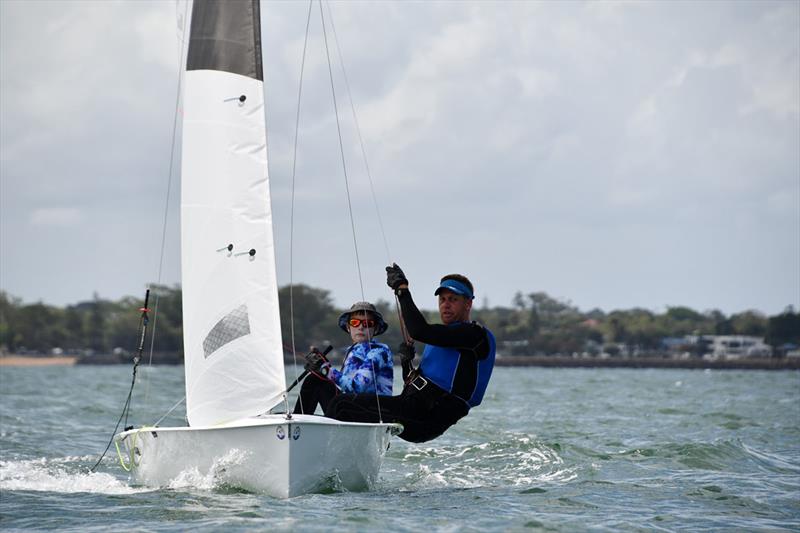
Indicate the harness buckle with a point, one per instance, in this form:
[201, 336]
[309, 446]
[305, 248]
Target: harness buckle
[419, 382]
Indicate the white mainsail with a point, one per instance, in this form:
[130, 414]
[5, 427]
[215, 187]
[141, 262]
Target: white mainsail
[231, 326]
[232, 335]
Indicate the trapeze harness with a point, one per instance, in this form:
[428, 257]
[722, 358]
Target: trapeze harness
[461, 372]
[449, 370]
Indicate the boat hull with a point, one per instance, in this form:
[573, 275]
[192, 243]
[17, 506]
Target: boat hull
[272, 454]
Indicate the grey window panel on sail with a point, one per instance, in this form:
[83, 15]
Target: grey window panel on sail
[232, 326]
[226, 36]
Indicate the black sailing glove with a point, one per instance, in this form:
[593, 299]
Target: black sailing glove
[395, 276]
[316, 362]
[407, 352]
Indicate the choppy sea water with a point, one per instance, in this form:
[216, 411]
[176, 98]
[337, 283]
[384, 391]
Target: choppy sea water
[549, 449]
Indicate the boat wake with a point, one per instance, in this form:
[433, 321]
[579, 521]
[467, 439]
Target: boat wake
[517, 459]
[719, 455]
[215, 478]
[63, 475]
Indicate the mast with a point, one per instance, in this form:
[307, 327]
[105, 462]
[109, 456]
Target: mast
[232, 337]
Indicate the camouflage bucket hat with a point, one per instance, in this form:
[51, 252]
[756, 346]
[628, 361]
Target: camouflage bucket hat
[364, 307]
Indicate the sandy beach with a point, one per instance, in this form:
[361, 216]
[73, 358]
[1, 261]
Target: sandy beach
[20, 360]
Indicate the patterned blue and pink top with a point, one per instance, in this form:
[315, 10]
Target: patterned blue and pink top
[364, 364]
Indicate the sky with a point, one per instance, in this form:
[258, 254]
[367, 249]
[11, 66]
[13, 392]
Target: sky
[611, 154]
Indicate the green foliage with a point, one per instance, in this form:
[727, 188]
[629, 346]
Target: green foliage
[536, 323]
[308, 316]
[749, 323]
[784, 328]
[166, 319]
[98, 326]
[683, 314]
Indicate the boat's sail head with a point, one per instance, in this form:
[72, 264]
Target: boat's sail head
[226, 36]
[232, 338]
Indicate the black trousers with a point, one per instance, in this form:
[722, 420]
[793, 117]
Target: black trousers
[315, 391]
[425, 414]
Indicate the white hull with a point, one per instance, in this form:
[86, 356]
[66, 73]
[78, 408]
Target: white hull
[268, 454]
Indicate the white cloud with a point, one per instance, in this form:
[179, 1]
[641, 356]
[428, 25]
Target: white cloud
[566, 142]
[785, 203]
[159, 32]
[56, 216]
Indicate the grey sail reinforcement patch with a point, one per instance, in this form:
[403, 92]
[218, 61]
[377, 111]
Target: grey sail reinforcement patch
[226, 36]
[232, 326]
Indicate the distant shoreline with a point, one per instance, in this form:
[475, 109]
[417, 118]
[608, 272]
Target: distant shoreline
[507, 361]
[650, 362]
[24, 360]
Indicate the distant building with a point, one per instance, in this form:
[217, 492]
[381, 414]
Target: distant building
[518, 347]
[714, 347]
[736, 347]
[789, 350]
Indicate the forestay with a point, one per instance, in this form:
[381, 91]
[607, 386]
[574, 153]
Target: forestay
[232, 337]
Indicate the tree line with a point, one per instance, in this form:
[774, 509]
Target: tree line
[535, 324]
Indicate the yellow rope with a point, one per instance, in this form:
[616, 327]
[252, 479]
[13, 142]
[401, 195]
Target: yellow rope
[132, 461]
[128, 467]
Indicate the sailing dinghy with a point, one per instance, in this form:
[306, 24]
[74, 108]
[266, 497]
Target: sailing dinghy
[231, 326]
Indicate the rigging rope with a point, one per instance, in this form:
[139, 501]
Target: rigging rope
[166, 202]
[143, 321]
[344, 170]
[341, 151]
[157, 422]
[347, 189]
[124, 413]
[358, 133]
[403, 330]
[291, 216]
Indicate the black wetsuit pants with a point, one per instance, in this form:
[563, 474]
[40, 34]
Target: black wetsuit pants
[425, 414]
[315, 391]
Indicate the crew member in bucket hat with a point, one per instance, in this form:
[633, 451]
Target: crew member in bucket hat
[452, 376]
[363, 307]
[367, 368]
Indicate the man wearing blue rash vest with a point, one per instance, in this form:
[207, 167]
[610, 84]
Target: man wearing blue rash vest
[452, 376]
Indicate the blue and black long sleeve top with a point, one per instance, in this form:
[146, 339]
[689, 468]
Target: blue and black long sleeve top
[366, 364]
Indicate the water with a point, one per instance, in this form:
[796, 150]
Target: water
[549, 449]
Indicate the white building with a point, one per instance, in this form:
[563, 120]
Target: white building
[736, 347]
